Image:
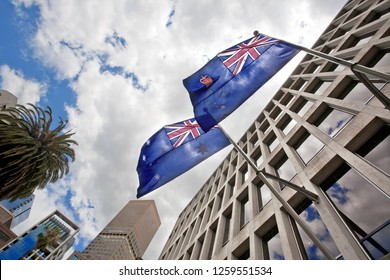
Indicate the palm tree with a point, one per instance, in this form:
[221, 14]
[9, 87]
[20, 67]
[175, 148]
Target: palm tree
[31, 154]
[50, 239]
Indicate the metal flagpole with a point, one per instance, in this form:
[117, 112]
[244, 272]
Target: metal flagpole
[355, 68]
[377, 93]
[285, 204]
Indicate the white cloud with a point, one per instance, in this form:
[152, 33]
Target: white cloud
[112, 119]
[26, 90]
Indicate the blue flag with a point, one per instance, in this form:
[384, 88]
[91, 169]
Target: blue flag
[173, 150]
[232, 76]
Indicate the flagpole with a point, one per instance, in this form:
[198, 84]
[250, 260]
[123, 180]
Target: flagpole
[355, 68]
[285, 204]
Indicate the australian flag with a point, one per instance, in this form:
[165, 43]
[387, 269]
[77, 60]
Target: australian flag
[173, 150]
[233, 75]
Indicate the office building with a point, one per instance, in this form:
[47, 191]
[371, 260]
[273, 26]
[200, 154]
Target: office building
[6, 234]
[20, 208]
[127, 235]
[323, 130]
[49, 239]
[7, 99]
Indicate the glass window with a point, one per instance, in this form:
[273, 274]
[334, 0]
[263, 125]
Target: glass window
[364, 208]
[384, 61]
[273, 143]
[263, 195]
[322, 88]
[244, 211]
[226, 232]
[376, 149]
[310, 215]
[359, 94]
[308, 147]
[242, 252]
[288, 126]
[257, 157]
[333, 121]
[305, 108]
[273, 246]
[285, 170]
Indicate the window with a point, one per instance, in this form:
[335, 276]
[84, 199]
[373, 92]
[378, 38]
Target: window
[322, 88]
[285, 170]
[257, 157]
[376, 149]
[303, 108]
[244, 210]
[244, 173]
[226, 233]
[263, 195]
[272, 143]
[313, 220]
[272, 245]
[212, 232]
[332, 121]
[384, 61]
[242, 252]
[308, 147]
[363, 207]
[359, 93]
[288, 125]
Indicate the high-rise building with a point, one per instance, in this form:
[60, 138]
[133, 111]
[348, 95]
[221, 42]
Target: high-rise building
[128, 234]
[7, 99]
[323, 130]
[6, 234]
[20, 208]
[49, 239]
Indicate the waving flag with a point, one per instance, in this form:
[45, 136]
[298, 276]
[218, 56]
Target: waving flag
[233, 75]
[173, 150]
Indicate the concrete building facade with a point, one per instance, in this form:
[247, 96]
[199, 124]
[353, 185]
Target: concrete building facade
[127, 235]
[323, 130]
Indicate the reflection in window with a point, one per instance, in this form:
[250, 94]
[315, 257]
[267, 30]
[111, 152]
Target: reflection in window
[333, 121]
[285, 170]
[376, 149]
[363, 207]
[263, 195]
[273, 246]
[308, 147]
[313, 220]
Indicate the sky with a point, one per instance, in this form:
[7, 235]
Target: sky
[114, 70]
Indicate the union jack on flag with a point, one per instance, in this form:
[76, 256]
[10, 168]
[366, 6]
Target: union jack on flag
[239, 56]
[183, 132]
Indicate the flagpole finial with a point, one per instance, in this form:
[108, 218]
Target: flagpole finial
[256, 33]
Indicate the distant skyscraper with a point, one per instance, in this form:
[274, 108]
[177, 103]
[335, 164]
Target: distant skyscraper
[47, 240]
[323, 130]
[128, 234]
[20, 208]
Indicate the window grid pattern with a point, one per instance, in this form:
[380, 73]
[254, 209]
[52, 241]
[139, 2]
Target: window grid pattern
[359, 33]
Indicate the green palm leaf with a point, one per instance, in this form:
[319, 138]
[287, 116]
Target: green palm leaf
[31, 153]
